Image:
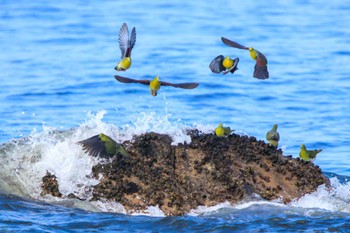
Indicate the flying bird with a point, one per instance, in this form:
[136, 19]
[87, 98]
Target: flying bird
[155, 84]
[126, 44]
[103, 146]
[273, 136]
[308, 155]
[260, 68]
[224, 64]
[222, 131]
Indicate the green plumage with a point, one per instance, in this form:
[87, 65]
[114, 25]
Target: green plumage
[222, 131]
[273, 136]
[308, 155]
[103, 146]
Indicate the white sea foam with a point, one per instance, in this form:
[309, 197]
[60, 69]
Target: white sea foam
[221, 207]
[24, 162]
[335, 198]
[153, 211]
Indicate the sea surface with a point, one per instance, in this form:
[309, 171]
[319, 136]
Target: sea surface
[57, 62]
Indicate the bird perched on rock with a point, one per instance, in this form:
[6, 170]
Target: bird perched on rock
[273, 136]
[222, 131]
[103, 146]
[224, 64]
[308, 155]
[260, 68]
[155, 84]
[126, 44]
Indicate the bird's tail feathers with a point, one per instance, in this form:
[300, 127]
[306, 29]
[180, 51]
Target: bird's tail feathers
[260, 72]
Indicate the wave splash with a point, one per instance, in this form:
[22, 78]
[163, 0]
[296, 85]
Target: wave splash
[23, 163]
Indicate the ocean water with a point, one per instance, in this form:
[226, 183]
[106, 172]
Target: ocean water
[57, 87]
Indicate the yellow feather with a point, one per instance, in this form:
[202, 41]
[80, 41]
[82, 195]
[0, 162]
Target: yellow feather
[124, 64]
[154, 86]
[252, 53]
[227, 62]
[220, 131]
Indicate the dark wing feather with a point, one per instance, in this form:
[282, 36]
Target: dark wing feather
[216, 65]
[123, 39]
[260, 72]
[132, 42]
[130, 80]
[261, 59]
[233, 44]
[180, 85]
[94, 146]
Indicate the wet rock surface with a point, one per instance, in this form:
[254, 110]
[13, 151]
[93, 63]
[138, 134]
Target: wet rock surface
[50, 185]
[208, 171]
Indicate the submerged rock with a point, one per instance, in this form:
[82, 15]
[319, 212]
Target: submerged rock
[50, 185]
[208, 171]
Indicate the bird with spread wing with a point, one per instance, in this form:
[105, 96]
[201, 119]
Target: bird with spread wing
[260, 68]
[103, 146]
[224, 64]
[155, 84]
[126, 44]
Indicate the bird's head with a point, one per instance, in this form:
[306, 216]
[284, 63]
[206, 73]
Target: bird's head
[303, 147]
[275, 126]
[227, 58]
[220, 125]
[250, 49]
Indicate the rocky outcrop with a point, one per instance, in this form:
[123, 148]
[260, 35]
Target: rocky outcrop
[208, 171]
[50, 185]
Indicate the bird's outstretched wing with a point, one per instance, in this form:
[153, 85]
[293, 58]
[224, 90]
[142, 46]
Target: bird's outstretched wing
[233, 44]
[123, 39]
[132, 42]
[130, 80]
[94, 146]
[216, 65]
[180, 85]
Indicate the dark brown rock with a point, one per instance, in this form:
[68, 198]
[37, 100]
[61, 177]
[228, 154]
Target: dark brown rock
[50, 185]
[208, 171]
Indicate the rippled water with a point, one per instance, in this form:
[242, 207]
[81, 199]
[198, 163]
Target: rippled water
[57, 61]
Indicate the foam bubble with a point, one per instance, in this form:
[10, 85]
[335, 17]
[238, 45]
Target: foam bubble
[335, 198]
[25, 161]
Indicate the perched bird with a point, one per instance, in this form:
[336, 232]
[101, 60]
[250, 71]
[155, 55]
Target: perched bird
[126, 44]
[273, 136]
[308, 155]
[260, 68]
[155, 84]
[224, 65]
[221, 131]
[103, 146]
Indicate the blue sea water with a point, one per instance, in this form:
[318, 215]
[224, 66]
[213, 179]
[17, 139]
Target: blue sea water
[57, 87]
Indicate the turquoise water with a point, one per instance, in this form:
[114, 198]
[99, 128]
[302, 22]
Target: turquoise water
[57, 61]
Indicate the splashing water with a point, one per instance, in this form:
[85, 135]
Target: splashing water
[25, 161]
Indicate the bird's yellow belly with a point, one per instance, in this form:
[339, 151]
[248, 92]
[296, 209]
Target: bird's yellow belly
[304, 155]
[252, 54]
[154, 87]
[227, 63]
[124, 64]
[220, 132]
